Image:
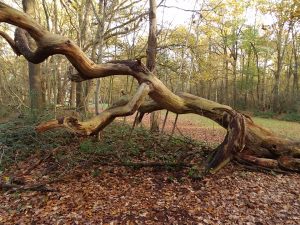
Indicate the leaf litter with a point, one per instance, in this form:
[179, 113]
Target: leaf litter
[110, 183]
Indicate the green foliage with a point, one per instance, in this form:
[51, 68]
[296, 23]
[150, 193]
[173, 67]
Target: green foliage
[87, 146]
[119, 144]
[96, 173]
[141, 145]
[194, 172]
[4, 111]
[293, 116]
[21, 140]
[290, 116]
[264, 114]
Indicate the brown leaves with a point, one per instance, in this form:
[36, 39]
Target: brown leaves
[147, 196]
[116, 194]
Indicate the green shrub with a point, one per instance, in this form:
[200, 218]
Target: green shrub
[90, 147]
[21, 140]
[194, 173]
[293, 116]
[264, 114]
[4, 111]
[87, 146]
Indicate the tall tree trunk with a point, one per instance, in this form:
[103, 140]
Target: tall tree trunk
[81, 95]
[98, 45]
[276, 103]
[247, 80]
[73, 95]
[234, 53]
[226, 90]
[258, 75]
[263, 85]
[281, 47]
[60, 90]
[287, 102]
[295, 91]
[79, 98]
[151, 57]
[34, 70]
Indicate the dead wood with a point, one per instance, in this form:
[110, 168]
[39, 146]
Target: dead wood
[243, 135]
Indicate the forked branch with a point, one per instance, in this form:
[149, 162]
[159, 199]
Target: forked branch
[50, 44]
[96, 124]
[11, 42]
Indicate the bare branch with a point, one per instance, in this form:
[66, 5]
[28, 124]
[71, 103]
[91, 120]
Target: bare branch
[96, 124]
[50, 44]
[11, 42]
[109, 31]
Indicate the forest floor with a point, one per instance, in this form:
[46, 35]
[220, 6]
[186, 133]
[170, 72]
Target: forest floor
[137, 178]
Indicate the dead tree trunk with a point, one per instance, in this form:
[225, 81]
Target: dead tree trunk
[244, 141]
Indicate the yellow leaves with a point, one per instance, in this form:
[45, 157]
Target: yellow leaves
[296, 12]
[7, 180]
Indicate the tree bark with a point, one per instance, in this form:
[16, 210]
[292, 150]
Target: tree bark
[281, 47]
[296, 66]
[244, 140]
[98, 44]
[151, 57]
[34, 71]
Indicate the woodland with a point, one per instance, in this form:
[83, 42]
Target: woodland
[80, 79]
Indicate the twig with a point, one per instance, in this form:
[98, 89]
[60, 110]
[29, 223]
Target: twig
[2, 154]
[133, 125]
[173, 129]
[34, 187]
[164, 124]
[147, 164]
[251, 166]
[39, 162]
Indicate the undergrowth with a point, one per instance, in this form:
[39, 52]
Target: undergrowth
[118, 146]
[293, 117]
[290, 116]
[141, 145]
[19, 140]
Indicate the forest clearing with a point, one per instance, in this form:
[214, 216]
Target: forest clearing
[124, 112]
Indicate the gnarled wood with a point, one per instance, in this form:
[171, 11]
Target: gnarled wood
[244, 138]
[96, 124]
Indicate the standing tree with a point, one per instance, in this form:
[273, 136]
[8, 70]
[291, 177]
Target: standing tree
[281, 46]
[34, 70]
[151, 56]
[245, 141]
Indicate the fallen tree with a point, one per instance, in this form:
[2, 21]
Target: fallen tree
[245, 141]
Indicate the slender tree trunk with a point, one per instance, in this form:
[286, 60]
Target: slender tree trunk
[73, 95]
[287, 102]
[281, 47]
[242, 68]
[226, 94]
[59, 87]
[263, 85]
[247, 80]
[276, 104]
[98, 44]
[234, 80]
[79, 98]
[151, 57]
[295, 91]
[258, 76]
